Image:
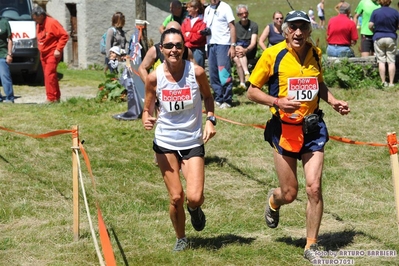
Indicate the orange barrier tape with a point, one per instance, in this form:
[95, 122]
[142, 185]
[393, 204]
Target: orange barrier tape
[341, 139]
[105, 241]
[108, 252]
[237, 123]
[392, 143]
[87, 161]
[135, 72]
[104, 236]
[349, 141]
[41, 136]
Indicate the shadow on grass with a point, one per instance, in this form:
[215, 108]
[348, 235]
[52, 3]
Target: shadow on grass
[4, 159]
[330, 241]
[216, 243]
[46, 182]
[119, 246]
[223, 161]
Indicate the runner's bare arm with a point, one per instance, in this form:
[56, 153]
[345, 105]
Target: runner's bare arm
[149, 103]
[147, 63]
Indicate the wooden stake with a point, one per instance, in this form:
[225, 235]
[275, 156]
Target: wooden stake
[393, 150]
[75, 181]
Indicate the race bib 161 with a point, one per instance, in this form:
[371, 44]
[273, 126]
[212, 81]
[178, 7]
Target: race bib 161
[177, 100]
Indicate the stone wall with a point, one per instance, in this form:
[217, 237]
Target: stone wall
[94, 18]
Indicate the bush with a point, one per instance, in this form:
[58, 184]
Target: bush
[111, 89]
[348, 75]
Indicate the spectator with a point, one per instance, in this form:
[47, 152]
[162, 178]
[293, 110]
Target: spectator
[221, 41]
[364, 9]
[115, 36]
[123, 55]
[312, 20]
[6, 48]
[179, 138]
[338, 6]
[286, 67]
[321, 14]
[178, 14]
[311, 13]
[384, 22]
[191, 28]
[114, 58]
[341, 33]
[51, 40]
[272, 31]
[247, 35]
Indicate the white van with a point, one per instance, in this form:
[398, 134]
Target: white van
[26, 59]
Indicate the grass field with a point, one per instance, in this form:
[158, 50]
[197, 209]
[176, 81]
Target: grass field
[36, 221]
[36, 187]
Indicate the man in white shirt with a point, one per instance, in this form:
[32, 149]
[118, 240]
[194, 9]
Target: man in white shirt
[221, 43]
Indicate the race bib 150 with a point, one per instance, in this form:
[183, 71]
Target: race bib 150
[303, 89]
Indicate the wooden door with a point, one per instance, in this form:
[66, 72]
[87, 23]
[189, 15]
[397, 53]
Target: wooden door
[74, 33]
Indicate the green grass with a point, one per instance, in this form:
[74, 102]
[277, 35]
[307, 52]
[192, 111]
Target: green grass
[36, 186]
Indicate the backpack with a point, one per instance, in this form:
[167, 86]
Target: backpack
[103, 41]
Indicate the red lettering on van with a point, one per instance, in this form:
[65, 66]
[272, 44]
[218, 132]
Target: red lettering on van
[17, 35]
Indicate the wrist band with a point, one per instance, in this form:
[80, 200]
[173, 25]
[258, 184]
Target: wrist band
[275, 103]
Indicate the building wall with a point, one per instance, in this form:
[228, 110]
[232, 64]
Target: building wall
[94, 18]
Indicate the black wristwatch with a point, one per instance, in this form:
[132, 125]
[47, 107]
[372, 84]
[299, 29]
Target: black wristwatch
[212, 119]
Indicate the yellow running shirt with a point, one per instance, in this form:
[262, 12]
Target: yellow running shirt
[280, 67]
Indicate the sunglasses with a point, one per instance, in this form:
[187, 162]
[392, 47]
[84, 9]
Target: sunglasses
[170, 45]
[302, 27]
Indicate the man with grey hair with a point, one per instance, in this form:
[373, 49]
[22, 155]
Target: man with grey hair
[341, 33]
[285, 68]
[247, 36]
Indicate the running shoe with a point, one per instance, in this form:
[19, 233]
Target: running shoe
[181, 244]
[225, 106]
[312, 254]
[197, 219]
[271, 216]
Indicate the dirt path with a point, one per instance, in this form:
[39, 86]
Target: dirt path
[37, 95]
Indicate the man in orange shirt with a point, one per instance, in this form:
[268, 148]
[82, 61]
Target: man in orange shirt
[51, 40]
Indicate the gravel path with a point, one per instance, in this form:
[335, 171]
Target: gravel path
[37, 95]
